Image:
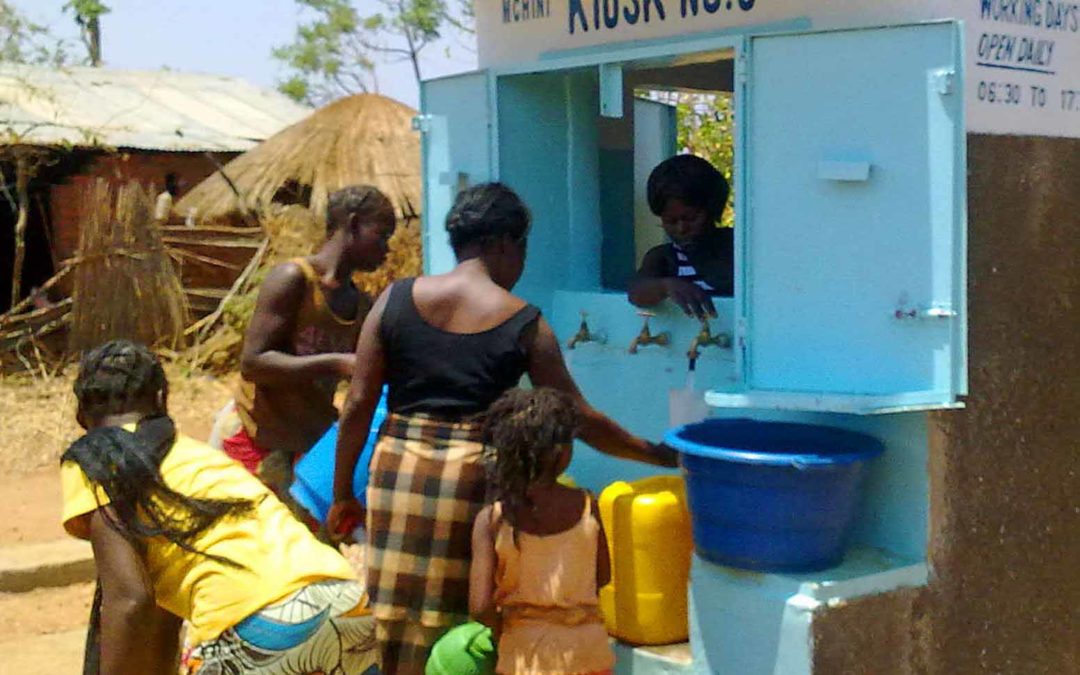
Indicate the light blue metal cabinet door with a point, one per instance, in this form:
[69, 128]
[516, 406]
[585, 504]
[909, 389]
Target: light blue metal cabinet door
[853, 248]
[456, 127]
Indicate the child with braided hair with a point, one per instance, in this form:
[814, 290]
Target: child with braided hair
[182, 532]
[539, 551]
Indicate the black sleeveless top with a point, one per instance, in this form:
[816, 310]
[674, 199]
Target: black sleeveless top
[449, 375]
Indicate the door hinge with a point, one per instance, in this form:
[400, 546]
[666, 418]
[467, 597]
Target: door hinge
[421, 123]
[944, 81]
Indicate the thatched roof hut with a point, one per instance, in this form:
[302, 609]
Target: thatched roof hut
[364, 138]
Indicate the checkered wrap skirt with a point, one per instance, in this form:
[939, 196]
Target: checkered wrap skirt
[427, 485]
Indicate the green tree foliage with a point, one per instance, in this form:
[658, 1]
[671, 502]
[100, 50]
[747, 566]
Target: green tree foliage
[328, 58]
[23, 41]
[706, 127]
[404, 27]
[334, 52]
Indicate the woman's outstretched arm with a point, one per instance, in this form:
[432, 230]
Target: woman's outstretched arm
[548, 369]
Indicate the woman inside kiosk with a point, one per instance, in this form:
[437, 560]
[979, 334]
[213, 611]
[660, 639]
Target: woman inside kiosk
[689, 196]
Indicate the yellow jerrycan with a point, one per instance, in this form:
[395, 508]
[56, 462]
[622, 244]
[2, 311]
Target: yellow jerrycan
[648, 531]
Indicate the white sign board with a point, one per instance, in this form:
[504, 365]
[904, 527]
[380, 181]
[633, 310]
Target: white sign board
[1023, 56]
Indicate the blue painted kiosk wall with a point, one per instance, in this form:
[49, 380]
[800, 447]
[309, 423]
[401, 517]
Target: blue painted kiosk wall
[849, 292]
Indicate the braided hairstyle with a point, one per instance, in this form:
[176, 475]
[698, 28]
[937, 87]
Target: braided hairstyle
[523, 433]
[484, 213]
[693, 181]
[122, 377]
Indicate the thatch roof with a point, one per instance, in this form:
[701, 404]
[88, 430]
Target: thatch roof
[362, 139]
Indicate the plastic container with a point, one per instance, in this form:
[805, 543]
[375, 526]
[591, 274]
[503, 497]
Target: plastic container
[468, 649]
[648, 531]
[771, 496]
[313, 483]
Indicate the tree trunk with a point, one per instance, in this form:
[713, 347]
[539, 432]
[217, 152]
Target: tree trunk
[414, 56]
[22, 180]
[93, 29]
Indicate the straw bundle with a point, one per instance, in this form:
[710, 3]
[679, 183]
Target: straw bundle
[362, 139]
[125, 285]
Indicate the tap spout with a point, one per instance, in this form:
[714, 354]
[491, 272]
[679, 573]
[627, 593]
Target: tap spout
[645, 337]
[705, 338]
[582, 335]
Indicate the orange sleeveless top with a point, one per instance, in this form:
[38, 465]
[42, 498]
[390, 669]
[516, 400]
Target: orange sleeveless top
[293, 417]
[545, 587]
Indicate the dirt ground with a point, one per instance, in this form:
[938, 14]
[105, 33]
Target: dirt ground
[37, 416]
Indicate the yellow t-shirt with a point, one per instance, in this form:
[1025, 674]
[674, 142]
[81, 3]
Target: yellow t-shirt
[278, 554]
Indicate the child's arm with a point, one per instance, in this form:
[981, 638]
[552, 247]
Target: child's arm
[137, 636]
[603, 558]
[482, 572]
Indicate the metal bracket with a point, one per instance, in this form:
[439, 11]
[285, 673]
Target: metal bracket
[421, 123]
[944, 81]
[611, 90]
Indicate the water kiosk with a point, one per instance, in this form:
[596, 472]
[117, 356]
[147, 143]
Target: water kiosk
[851, 309]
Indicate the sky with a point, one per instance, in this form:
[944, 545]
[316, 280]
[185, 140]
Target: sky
[227, 37]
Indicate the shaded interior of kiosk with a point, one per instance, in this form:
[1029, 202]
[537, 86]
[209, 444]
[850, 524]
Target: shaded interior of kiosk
[606, 155]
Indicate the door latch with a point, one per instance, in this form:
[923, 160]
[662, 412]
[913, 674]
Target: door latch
[930, 312]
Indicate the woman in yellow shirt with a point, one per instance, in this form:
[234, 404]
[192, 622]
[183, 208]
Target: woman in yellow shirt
[180, 531]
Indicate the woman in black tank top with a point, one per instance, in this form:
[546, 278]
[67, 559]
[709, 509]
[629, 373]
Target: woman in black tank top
[447, 346]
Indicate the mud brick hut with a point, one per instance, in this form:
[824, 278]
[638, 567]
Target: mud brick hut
[61, 129]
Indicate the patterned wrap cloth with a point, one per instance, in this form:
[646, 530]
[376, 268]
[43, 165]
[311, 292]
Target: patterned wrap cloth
[323, 629]
[427, 485]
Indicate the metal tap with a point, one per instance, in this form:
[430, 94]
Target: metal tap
[645, 337]
[705, 338]
[583, 334]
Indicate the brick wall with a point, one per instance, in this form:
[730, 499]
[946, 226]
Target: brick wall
[147, 167]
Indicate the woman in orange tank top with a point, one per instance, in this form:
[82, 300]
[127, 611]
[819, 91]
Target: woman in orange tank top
[539, 551]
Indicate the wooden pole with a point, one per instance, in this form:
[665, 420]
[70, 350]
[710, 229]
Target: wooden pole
[22, 182]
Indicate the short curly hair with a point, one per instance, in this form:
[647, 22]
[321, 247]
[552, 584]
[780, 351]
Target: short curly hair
[486, 212]
[366, 201]
[692, 180]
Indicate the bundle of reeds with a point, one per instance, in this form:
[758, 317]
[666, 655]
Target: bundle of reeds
[125, 284]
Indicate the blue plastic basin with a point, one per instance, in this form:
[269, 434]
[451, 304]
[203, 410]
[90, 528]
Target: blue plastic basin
[313, 482]
[772, 496]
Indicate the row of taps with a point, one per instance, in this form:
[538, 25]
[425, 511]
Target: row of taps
[704, 338]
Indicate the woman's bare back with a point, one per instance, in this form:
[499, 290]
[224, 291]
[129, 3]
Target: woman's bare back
[464, 302]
